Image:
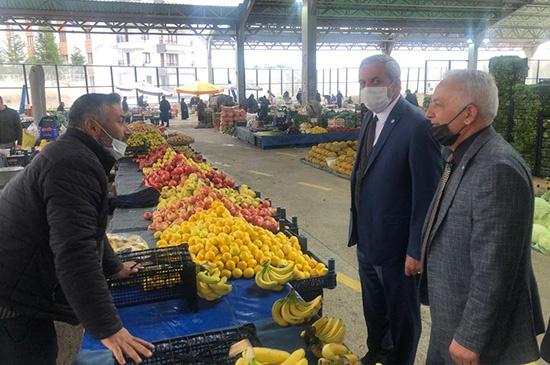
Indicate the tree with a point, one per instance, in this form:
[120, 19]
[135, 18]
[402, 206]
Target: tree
[15, 50]
[77, 57]
[46, 51]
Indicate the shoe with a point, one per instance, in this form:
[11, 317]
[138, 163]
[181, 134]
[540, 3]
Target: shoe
[373, 358]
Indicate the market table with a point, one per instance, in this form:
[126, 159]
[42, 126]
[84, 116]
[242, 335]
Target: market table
[285, 140]
[161, 320]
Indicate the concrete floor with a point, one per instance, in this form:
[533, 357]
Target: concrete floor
[321, 202]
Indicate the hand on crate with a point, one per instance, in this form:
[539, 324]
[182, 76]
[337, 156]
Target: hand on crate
[123, 344]
[128, 268]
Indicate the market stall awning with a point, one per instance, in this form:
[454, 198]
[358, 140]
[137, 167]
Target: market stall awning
[144, 89]
[199, 88]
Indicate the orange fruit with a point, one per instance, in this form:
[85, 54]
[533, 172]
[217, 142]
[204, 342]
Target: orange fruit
[248, 272]
[251, 263]
[237, 273]
[234, 250]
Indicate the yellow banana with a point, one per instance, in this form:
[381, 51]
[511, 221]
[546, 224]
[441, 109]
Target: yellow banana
[329, 324]
[336, 332]
[288, 315]
[278, 277]
[276, 313]
[241, 361]
[202, 276]
[288, 269]
[302, 362]
[265, 282]
[308, 309]
[270, 356]
[294, 357]
[331, 350]
[352, 358]
[320, 324]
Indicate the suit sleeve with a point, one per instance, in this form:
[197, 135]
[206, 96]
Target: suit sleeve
[502, 220]
[72, 194]
[425, 164]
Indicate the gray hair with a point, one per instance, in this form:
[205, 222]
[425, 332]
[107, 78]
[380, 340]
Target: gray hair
[392, 67]
[478, 88]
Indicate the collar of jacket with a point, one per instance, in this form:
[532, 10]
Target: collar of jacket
[105, 158]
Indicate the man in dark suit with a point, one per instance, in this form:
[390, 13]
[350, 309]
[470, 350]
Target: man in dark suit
[476, 250]
[394, 178]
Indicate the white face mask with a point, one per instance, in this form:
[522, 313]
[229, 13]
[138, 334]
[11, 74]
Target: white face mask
[117, 148]
[375, 98]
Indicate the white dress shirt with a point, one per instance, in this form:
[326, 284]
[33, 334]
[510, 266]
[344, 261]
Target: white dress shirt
[382, 117]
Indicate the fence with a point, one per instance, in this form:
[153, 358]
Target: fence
[67, 82]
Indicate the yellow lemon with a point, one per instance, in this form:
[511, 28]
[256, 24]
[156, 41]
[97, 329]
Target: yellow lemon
[237, 273]
[248, 272]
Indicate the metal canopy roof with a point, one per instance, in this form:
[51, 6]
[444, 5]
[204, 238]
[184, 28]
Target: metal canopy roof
[276, 23]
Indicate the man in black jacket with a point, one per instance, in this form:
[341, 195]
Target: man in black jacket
[54, 255]
[10, 127]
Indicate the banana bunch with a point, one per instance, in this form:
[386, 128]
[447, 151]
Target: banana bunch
[292, 310]
[210, 286]
[274, 278]
[329, 330]
[337, 354]
[268, 356]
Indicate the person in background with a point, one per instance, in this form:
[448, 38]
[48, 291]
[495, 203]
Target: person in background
[411, 98]
[11, 132]
[478, 276]
[125, 108]
[251, 104]
[286, 97]
[165, 112]
[393, 181]
[339, 99]
[318, 96]
[184, 110]
[54, 254]
[264, 109]
[299, 96]
[270, 96]
[61, 107]
[201, 110]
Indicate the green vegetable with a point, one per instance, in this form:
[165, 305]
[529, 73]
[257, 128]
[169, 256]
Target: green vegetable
[542, 208]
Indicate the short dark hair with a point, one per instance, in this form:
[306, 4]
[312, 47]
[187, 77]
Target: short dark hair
[90, 105]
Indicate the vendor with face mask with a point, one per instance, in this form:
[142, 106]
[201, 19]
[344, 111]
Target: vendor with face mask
[54, 255]
[394, 178]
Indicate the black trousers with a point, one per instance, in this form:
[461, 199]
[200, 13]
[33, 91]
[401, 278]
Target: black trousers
[392, 310]
[25, 341]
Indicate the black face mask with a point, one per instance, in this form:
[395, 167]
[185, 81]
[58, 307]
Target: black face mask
[443, 134]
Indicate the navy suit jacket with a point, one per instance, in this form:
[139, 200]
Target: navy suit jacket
[397, 187]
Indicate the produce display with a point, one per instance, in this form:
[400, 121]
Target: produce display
[126, 243]
[327, 330]
[179, 140]
[142, 134]
[337, 354]
[293, 310]
[541, 224]
[309, 128]
[343, 118]
[269, 356]
[229, 116]
[343, 153]
[235, 246]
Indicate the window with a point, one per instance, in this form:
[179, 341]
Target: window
[149, 79]
[128, 58]
[121, 38]
[146, 57]
[62, 37]
[171, 59]
[30, 41]
[145, 37]
[172, 38]
[90, 59]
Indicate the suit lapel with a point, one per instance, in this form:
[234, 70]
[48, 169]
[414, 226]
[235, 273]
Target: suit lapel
[364, 127]
[389, 125]
[456, 177]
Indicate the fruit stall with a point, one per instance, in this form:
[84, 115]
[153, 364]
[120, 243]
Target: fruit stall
[298, 129]
[227, 278]
[336, 158]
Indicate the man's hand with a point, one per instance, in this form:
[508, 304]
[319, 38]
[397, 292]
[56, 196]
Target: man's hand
[123, 343]
[128, 268]
[412, 266]
[461, 355]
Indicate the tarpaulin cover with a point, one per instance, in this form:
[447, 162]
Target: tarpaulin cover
[157, 321]
[126, 220]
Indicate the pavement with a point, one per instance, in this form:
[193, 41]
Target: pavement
[321, 203]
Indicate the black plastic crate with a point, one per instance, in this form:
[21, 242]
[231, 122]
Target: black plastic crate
[209, 348]
[285, 224]
[167, 273]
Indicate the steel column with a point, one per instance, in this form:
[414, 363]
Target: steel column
[86, 78]
[241, 78]
[57, 81]
[112, 79]
[425, 77]
[26, 83]
[309, 50]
